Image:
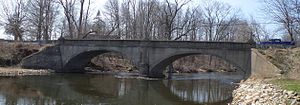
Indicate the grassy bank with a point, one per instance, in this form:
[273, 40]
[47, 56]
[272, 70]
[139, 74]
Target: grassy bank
[288, 84]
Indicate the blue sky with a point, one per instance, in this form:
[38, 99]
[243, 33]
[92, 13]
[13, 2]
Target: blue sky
[248, 8]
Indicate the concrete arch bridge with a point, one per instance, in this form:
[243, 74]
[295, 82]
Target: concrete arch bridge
[151, 57]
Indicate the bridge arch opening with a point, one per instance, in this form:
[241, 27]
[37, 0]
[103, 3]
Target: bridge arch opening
[111, 61]
[99, 60]
[196, 63]
[202, 63]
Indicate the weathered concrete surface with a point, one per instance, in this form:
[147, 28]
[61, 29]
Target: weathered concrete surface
[261, 66]
[151, 57]
[47, 58]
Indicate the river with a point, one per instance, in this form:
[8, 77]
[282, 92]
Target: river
[121, 89]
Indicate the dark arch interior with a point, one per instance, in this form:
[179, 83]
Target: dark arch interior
[192, 63]
[99, 60]
[78, 63]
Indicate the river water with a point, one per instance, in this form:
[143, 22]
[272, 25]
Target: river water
[121, 89]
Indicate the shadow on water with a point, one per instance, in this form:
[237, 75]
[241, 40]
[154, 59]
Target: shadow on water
[70, 89]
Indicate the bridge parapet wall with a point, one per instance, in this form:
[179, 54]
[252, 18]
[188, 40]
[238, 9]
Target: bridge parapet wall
[160, 44]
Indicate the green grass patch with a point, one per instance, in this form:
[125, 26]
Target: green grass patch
[287, 84]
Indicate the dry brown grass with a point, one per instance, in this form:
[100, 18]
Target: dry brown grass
[13, 53]
[202, 63]
[112, 62]
[288, 60]
[15, 71]
[8, 49]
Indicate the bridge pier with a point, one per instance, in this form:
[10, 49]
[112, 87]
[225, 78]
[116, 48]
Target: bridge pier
[144, 69]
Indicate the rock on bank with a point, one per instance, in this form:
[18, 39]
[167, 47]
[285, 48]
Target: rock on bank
[257, 92]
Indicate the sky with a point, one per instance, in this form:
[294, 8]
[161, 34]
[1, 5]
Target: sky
[248, 7]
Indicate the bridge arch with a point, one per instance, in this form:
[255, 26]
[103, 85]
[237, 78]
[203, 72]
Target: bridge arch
[79, 60]
[160, 64]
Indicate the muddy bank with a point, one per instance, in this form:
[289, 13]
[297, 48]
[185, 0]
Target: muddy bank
[260, 92]
[14, 71]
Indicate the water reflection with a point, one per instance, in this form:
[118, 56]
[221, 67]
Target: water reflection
[106, 89]
[201, 91]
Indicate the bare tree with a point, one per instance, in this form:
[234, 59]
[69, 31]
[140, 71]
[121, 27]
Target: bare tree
[14, 17]
[258, 31]
[69, 12]
[128, 17]
[218, 17]
[112, 10]
[41, 17]
[80, 25]
[187, 25]
[281, 12]
[77, 23]
[83, 18]
[138, 18]
[149, 14]
[171, 11]
[150, 19]
[144, 18]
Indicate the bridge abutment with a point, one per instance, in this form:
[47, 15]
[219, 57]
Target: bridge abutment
[48, 58]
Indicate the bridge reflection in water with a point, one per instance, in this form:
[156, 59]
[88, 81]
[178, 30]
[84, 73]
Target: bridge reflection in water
[106, 89]
[201, 91]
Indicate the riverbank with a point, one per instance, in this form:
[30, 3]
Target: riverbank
[264, 92]
[287, 60]
[282, 89]
[12, 53]
[15, 71]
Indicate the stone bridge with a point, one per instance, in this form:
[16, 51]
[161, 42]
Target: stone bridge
[151, 57]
